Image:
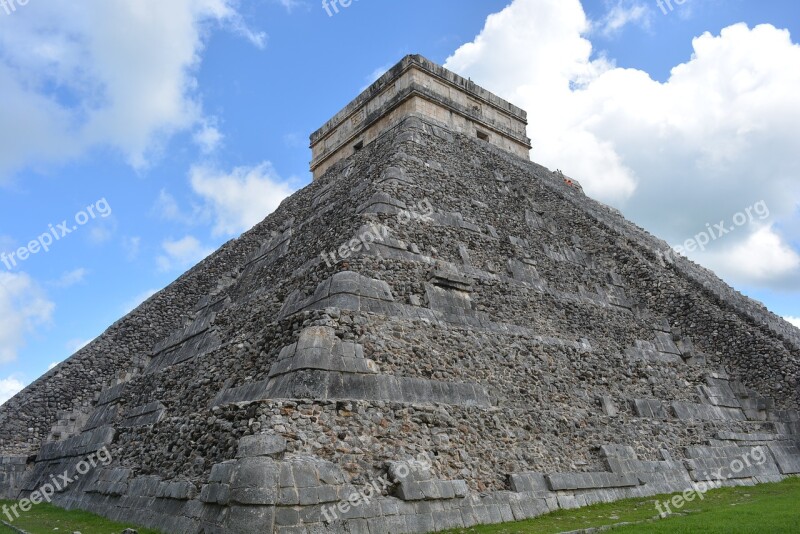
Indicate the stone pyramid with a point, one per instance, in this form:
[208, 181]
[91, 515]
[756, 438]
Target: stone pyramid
[435, 333]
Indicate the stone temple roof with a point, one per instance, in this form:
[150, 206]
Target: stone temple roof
[418, 87]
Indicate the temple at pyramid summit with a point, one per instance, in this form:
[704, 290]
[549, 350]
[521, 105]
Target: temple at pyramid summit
[435, 333]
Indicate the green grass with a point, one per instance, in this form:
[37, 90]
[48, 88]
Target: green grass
[773, 508]
[47, 519]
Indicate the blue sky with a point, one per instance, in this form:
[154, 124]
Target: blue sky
[184, 123]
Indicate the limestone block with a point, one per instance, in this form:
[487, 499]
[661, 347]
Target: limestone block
[146, 486]
[250, 519]
[527, 482]
[609, 408]
[703, 412]
[574, 481]
[650, 408]
[177, 489]
[618, 451]
[409, 470]
[215, 493]
[787, 456]
[664, 343]
[255, 481]
[431, 490]
[261, 445]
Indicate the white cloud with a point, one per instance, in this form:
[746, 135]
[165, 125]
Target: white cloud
[9, 387]
[241, 198]
[763, 257]
[181, 253]
[102, 230]
[166, 208]
[119, 73]
[23, 307]
[131, 246]
[794, 320]
[291, 5]
[717, 136]
[624, 12]
[71, 278]
[208, 138]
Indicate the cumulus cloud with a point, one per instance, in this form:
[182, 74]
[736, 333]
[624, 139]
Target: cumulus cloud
[181, 253]
[241, 198]
[763, 257]
[71, 278]
[717, 136]
[24, 307]
[291, 5]
[208, 138]
[9, 387]
[794, 320]
[131, 246]
[72, 80]
[166, 208]
[622, 13]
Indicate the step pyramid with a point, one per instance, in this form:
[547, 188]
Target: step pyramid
[435, 333]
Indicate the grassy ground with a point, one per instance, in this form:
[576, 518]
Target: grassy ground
[773, 508]
[45, 518]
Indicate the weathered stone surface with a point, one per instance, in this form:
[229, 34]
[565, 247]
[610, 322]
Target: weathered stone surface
[575, 481]
[251, 519]
[479, 309]
[261, 445]
[255, 481]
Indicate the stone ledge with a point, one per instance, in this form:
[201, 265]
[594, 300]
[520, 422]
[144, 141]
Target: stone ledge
[432, 490]
[574, 481]
[688, 411]
[787, 457]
